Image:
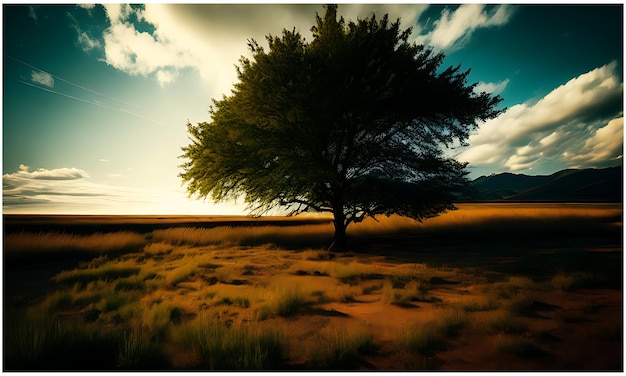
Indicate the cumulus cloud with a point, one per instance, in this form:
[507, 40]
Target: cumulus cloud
[183, 36]
[494, 88]
[454, 28]
[165, 77]
[576, 124]
[210, 38]
[606, 145]
[42, 78]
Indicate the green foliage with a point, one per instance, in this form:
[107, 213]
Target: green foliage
[352, 123]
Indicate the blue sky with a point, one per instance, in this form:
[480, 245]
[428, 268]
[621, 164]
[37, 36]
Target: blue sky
[97, 98]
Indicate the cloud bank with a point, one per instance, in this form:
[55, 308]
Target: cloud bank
[69, 191]
[579, 124]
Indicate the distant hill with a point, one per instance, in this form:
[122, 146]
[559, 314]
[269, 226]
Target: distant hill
[591, 185]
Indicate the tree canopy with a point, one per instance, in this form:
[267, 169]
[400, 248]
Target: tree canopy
[354, 123]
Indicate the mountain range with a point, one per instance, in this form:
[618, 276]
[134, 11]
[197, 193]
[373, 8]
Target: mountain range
[573, 185]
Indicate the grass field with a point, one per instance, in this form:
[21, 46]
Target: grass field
[485, 287]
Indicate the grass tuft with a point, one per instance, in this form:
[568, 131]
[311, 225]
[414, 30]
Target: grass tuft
[424, 339]
[85, 276]
[217, 346]
[287, 301]
[338, 348]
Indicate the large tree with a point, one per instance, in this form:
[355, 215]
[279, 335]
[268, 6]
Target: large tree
[354, 123]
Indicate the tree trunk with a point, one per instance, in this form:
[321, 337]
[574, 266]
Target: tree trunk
[339, 244]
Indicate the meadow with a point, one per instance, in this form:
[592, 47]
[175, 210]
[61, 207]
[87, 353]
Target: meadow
[485, 287]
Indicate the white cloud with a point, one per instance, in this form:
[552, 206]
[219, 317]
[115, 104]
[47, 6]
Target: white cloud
[211, 38]
[606, 144]
[494, 88]
[87, 43]
[578, 118]
[43, 174]
[70, 191]
[42, 78]
[165, 77]
[454, 28]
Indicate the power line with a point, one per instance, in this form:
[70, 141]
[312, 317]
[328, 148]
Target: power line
[71, 83]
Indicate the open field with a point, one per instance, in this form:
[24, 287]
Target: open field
[486, 287]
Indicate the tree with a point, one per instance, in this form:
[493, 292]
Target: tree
[354, 123]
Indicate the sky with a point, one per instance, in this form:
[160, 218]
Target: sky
[96, 98]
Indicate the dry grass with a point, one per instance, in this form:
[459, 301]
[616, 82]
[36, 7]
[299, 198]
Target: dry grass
[337, 348]
[494, 219]
[50, 245]
[216, 346]
[246, 236]
[200, 293]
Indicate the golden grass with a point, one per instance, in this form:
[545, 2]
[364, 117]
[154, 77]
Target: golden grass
[212, 279]
[337, 348]
[158, 249]
[495, 218]
[98, 243]
[245, 235]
